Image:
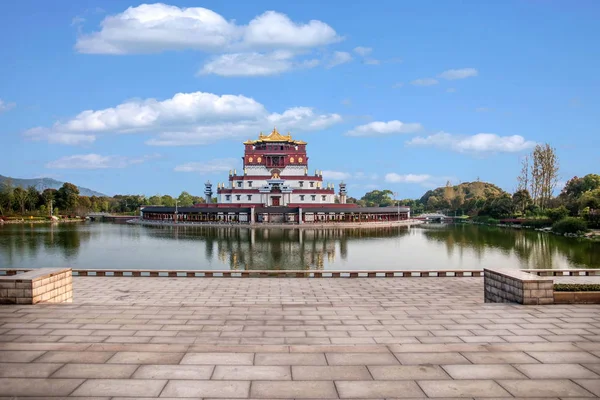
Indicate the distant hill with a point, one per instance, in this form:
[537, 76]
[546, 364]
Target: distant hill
[47, 183]
[456, 195]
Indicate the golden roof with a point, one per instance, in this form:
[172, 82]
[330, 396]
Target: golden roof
[274, 137]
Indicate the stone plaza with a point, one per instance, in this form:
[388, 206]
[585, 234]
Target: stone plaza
[286, 338]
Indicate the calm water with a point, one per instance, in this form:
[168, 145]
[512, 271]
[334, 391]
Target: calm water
[104, 245]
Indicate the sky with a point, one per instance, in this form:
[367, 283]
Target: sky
[125, 97]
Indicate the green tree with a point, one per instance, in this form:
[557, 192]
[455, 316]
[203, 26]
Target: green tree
[155, 200]
[67, 197]
[167, 201]
[185, 200]
[20, 196]
[49, 198]
[378, 198]
[521, 200]
[6, 196]
[33, 198]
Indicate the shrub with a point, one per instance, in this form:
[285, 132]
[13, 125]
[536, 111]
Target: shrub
[569, 225]
[570, 287]
[556, 214]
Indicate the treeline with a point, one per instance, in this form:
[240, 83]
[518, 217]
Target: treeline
[68, 201]
[577, 205]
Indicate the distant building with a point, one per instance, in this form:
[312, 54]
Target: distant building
[275, 187]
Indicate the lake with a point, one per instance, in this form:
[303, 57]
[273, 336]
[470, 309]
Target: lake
[98, 245]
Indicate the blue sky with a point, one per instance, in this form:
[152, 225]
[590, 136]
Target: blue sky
[122, 97]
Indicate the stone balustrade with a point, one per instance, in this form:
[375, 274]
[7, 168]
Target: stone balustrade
[43, 285]
[514, 286]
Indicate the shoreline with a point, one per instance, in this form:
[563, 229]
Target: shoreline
[37, 221]
[409, 222]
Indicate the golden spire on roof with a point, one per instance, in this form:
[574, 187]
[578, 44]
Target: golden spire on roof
[274, 136]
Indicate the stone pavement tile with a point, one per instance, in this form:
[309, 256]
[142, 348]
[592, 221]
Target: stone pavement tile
[290, 359]
[205, 389]
[550, 357]
[407, 372]
[155, 348]
[252, 373]
[218, 358]
[509, 357]
[38, 339]
[330, 373]
[18, 387]
[431, 358]
[145, 357]
[27, 370]
[378, 389]
[524, 339]
[44, 346]
[172, 340]
[556, 371]
[127, 339]
[19, 356]
[71, 332]
[202, 348]
[463, 388]
[95, 371]
[120, 387]
[293, 390]
[592, 385]
[482, 339]
[361, 359]
[338, 349]
[173, 372]
[544, 388]
[97, 357]
[484, 371]
[439, 348]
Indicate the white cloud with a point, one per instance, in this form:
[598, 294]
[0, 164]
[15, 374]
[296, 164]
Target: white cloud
[6, 106]
[96, 161]
[336, 175]
[185, 119]
[463, 73]
[380, 128]
[479, 143]
[424, 82]
[372, 61]
[408, 178]
[363, 51]
[339, 57]
[218, 165]
[250, 64]
[276, 30]
[151, 28]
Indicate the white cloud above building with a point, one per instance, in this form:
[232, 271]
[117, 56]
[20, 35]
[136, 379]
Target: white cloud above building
[479, 143]
[185, 119]
[381, 128]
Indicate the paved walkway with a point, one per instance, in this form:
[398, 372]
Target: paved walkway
[205, 338]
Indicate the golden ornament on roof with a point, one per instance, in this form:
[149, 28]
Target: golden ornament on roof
[274, 137]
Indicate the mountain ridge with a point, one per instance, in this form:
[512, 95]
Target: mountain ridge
[47, 183]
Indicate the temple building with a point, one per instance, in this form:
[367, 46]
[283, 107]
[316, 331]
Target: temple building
[275, 187]
[275, 173]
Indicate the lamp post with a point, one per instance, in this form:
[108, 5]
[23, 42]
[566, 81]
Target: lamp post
[175, 210]
[398, 204]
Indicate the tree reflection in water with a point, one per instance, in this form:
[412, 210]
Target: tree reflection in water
[534, 250]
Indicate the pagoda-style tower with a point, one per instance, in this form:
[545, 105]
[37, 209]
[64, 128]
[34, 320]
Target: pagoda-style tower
[208, 191]
[275, 174]
[343, 193]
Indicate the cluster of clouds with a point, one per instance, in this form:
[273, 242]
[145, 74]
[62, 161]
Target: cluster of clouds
[97, 161]
[449, 75]
[185, 119]
[271, 43]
